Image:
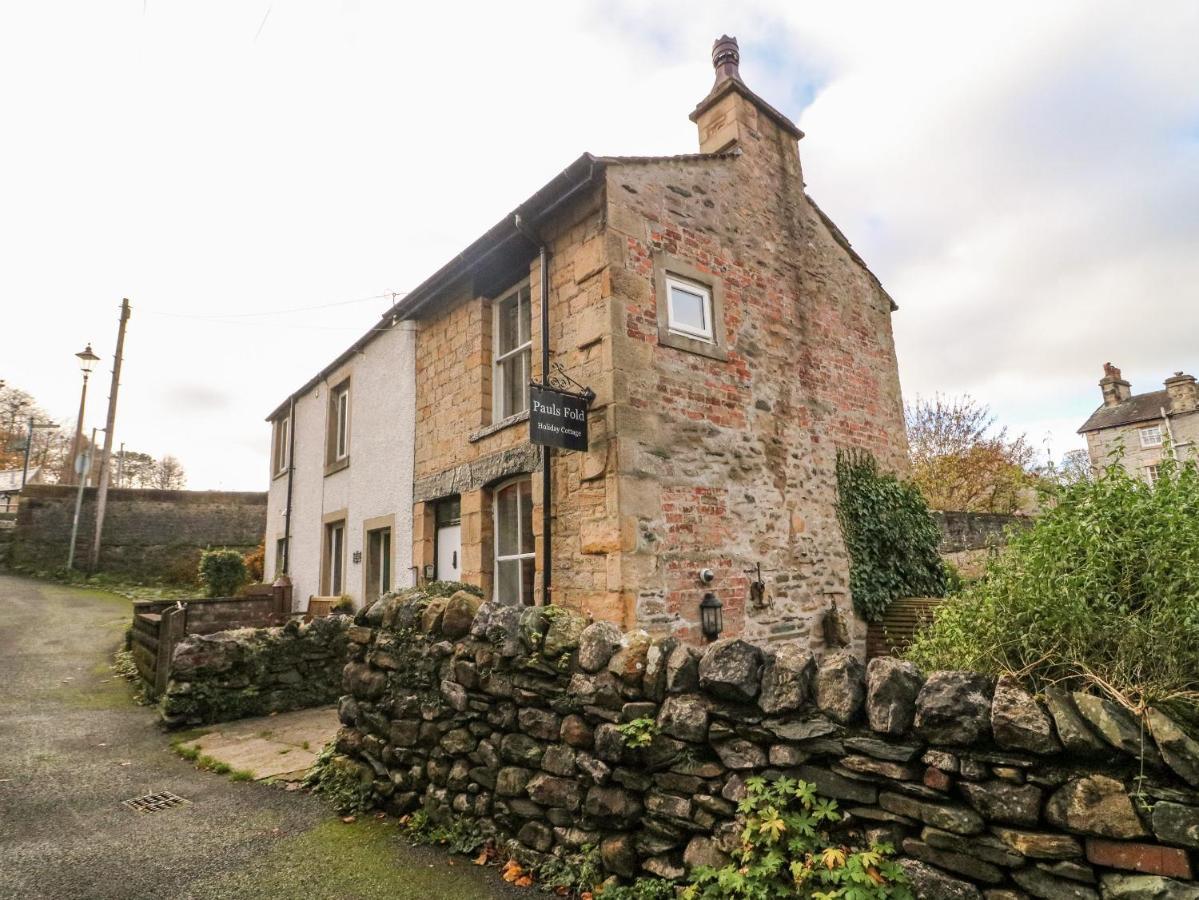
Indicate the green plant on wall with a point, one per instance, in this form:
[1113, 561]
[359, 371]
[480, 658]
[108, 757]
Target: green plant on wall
[222, 572]
[785, 852]
[638, 733]
[890, 534]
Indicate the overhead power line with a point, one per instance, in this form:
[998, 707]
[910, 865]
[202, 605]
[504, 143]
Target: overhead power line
[392, 295]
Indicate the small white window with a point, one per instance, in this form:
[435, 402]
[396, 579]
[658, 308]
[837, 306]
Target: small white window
[1151, 474]
[513, 354]
[515, 553]
[1151, 436]
[689, 309]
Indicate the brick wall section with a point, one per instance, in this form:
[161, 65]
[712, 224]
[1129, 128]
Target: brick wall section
[147, 533]
[728, 464]
[511, 720]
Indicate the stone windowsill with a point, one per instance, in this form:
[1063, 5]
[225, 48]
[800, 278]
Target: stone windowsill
[494, 427]
[337, 465]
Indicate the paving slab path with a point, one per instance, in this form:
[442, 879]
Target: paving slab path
[73, 746]
[279, 747]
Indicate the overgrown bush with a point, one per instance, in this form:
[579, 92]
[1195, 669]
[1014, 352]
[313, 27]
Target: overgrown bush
[222, 572]
[1102, 590]
[890, 534]
[786, 853]
[255, 563]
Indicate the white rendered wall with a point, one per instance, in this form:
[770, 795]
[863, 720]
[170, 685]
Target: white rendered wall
[378, 480]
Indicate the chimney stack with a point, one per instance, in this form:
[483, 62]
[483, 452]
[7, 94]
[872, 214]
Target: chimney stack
[734, 117]
[1115, 389]
[1184, 393]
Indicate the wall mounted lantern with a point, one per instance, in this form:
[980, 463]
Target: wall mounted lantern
[430, 572]
[711, 617]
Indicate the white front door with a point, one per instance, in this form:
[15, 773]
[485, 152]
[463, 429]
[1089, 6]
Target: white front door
[449, 553]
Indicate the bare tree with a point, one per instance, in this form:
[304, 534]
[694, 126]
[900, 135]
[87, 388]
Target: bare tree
[169, 474]
[1074, 467]
[961, 461]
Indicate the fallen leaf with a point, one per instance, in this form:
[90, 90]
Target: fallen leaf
[349, 819]
[524, 881]
[481, 859]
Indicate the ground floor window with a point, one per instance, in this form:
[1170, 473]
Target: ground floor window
[333, 576]
[514, 550]
[280, 555]
[378, 563]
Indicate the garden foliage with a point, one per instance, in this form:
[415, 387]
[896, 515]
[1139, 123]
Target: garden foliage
[1103, 591]
[222, 572]
[890, 534]
[785, 852]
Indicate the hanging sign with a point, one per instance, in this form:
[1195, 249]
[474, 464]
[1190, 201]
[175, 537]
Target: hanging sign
[558, 418]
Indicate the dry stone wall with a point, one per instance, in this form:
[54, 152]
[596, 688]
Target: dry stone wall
[256, 671]
[512, 717]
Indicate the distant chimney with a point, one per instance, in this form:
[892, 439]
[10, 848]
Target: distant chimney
[1184, 393]
[1115, 389]
[733, 116]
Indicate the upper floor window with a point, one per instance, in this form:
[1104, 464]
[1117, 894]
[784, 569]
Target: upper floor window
[513, 355]
[1151, 436]
[338, 446]
[280, 438]
[689, 309]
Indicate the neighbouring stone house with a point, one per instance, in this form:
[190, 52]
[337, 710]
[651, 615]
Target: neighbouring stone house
[1142, 429]
[734, 341]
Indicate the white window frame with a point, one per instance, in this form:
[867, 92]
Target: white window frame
[341, 425]
[1151, 429]
[280, 441]
[512, 557]
[335, 539]
[691, 287]
[498, 414]
[1151, 473]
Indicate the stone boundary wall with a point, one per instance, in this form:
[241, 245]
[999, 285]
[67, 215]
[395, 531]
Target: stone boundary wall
[147, 533]
[255, 671]
[969, 538]
[512, 717]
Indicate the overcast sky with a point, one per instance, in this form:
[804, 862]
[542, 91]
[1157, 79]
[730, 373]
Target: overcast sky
[1024, 181]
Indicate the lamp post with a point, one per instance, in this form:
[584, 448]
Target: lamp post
[87, 362]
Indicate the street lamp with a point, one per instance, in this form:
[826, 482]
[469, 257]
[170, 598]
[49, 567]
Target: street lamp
[87, 362]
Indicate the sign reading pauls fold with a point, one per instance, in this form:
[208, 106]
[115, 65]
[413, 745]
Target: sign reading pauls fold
[558, 418]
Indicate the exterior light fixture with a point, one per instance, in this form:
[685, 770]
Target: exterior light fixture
[430, 572]
[87, 360]
[711, 617]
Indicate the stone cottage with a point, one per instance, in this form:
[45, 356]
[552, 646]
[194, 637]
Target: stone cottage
[1141, 429]
[733, 341]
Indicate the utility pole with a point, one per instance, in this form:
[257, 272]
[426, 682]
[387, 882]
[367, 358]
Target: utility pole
[102, 484]
[84, 462]
[120, 463]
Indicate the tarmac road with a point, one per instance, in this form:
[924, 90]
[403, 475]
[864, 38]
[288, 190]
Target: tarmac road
[73, 746]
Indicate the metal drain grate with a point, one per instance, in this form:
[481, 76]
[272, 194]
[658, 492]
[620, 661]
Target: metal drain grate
[155, 802]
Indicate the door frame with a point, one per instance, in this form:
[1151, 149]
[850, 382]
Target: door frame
[369, 525]
[437, 526]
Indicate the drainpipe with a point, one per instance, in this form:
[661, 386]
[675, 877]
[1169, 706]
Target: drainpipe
[291, 471]
[546, 452]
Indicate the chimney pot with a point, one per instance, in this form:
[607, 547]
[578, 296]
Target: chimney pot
[726, 57]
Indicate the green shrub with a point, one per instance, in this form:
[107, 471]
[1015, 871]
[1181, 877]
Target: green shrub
[640, 889]
[890, 534]
[222, 572]
[785, 852]
[1103, 590]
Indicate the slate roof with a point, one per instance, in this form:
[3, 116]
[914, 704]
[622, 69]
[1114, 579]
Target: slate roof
[1138, 408]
